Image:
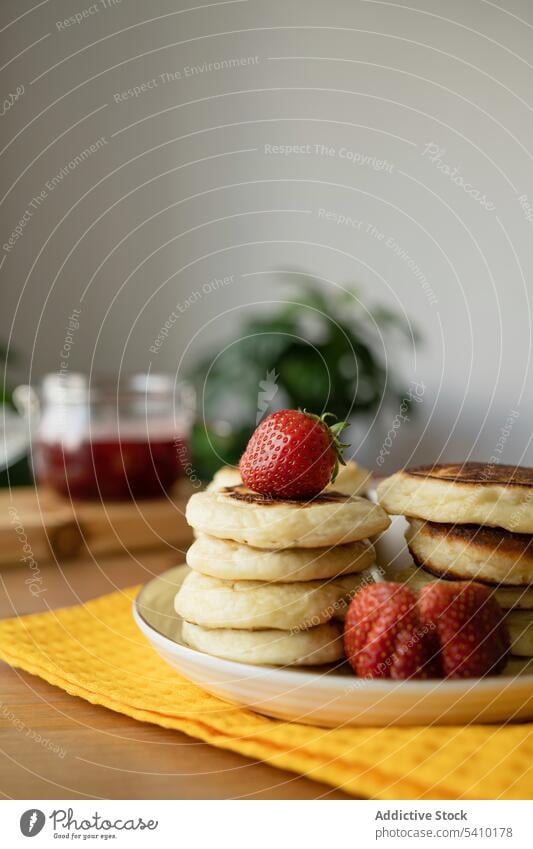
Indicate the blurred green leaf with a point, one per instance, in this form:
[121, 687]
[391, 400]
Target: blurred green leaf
[386, 318]
[210, 450]
[6, 357]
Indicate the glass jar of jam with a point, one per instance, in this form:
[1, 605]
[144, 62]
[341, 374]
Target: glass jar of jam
[101, 438]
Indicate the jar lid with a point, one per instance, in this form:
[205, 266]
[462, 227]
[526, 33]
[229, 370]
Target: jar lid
[76, 387]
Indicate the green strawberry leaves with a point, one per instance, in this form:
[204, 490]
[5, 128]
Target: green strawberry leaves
[334, 432]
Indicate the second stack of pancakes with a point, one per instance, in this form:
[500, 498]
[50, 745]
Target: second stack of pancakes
[270, 579]
[471, 521]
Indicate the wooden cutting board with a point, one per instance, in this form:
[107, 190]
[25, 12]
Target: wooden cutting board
[37, 524]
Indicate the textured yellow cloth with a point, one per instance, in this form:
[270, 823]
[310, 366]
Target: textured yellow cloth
[96, 651]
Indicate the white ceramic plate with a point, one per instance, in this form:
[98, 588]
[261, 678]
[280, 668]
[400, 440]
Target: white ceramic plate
[328, 696]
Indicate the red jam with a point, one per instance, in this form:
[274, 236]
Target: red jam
[111, 469]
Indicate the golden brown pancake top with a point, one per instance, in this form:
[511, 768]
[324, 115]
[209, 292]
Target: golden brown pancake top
[481, 535]
[239, 492]
[451, 575]
[476, 474]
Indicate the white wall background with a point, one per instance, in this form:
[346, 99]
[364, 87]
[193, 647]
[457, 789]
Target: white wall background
[183, 190]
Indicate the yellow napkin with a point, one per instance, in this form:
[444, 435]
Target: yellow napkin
[96, 651]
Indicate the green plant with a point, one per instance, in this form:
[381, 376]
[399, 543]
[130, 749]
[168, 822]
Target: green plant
[314, 350]
[5, 390]
[18, 474]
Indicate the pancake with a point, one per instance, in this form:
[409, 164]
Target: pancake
[352, 479]
[520, 627]
[509, 598]
[226, 476]
[234, 561]
[351, 584]
[244, 516]
[486, 554]
[256, 605]
[273, 648]
[468, 493]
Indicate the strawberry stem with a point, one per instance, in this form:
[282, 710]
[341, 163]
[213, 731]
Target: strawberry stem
[334, 432]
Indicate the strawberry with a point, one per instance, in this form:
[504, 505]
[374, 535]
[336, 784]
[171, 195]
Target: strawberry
[383, 635]
[292, 454]
[468, 622]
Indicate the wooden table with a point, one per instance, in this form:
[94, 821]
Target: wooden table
[55, 746]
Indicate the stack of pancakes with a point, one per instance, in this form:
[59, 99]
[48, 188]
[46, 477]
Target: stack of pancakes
[471, 521]
[271, 579]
